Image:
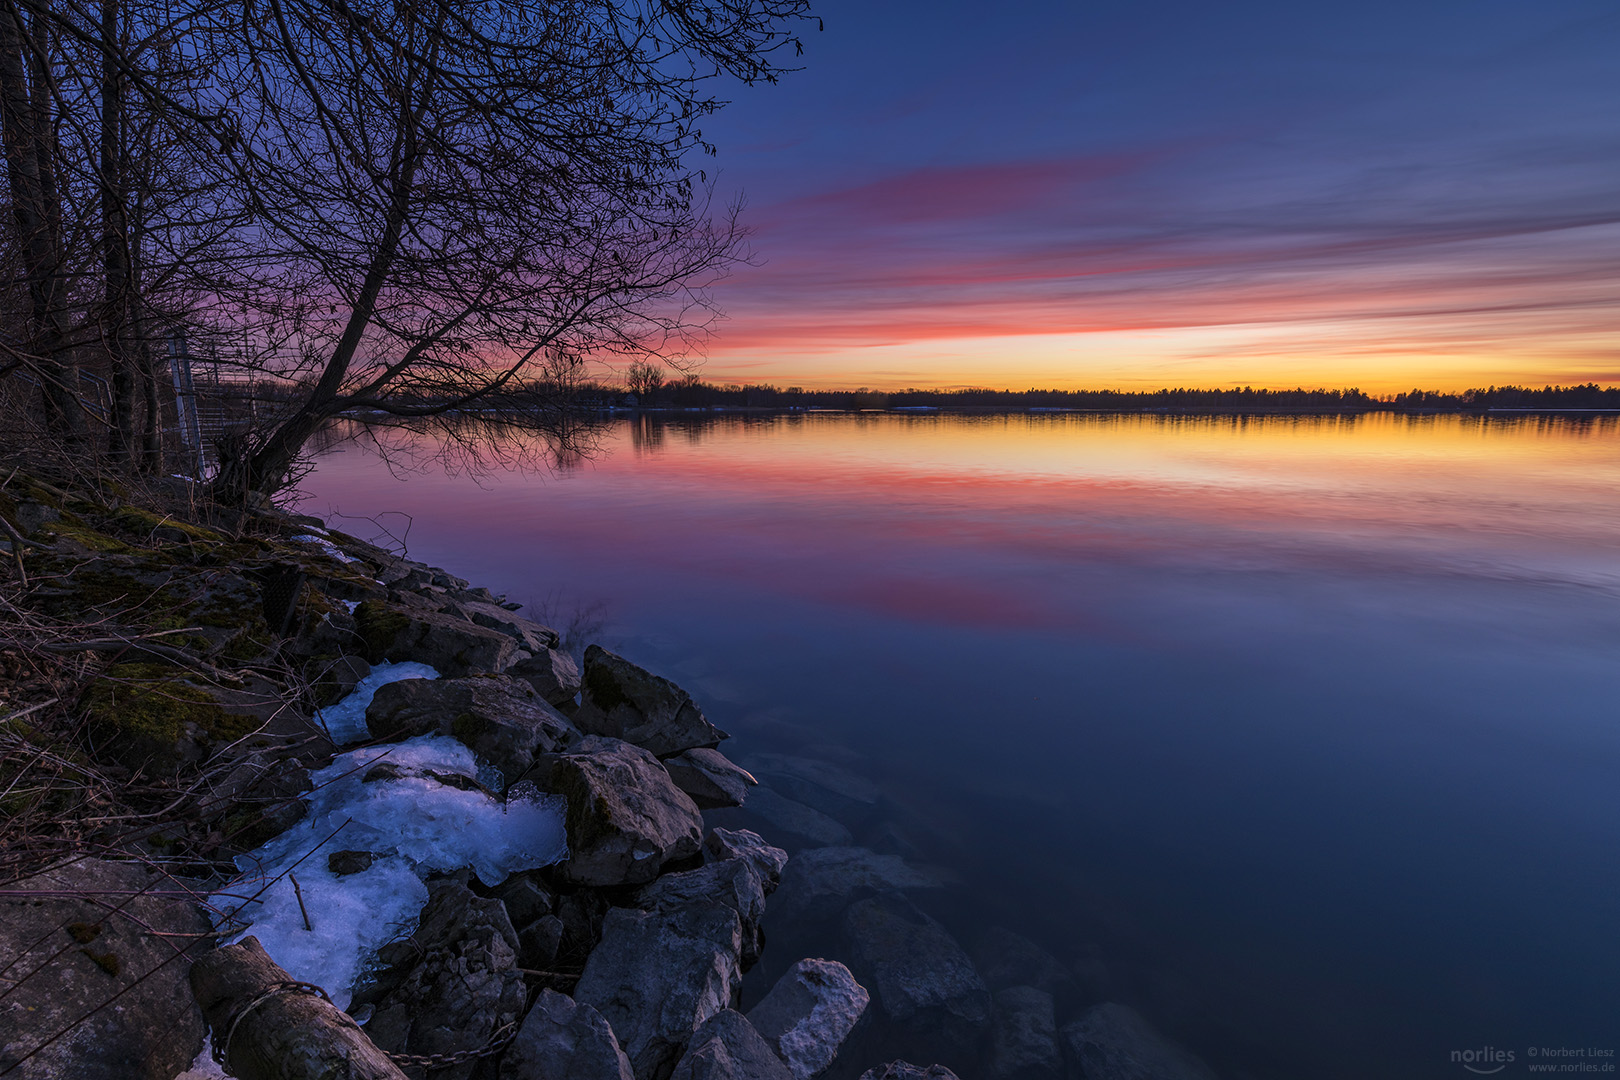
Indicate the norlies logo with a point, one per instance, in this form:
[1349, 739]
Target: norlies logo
[1484, 1061]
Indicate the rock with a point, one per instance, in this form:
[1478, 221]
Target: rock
[540, 942]
[501, 719]
[905, 1070]
[553, 674]
[723, 844]
[809, 1013]
[1007, 959]
[344, 863]
[734, 883]
[31, 515]
[919, 974]
[820, 785]
[562, 1038]
[726, 1047]
[525, 898]
[657, 975]
[1114, 1042]
[623, 701]
[1024, 1037]
[79, 954]
[821, 882]
[529, 635]
[709, 778]
[464, 985]
[456, 647]
[581, 913]
[626, 818]
[812, 827]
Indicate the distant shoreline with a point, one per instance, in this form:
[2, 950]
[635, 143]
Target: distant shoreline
[1015, 410]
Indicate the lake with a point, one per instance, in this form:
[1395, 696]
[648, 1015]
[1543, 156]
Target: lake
[1299, 735]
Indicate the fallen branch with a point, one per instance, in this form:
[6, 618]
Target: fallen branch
[268, 1026]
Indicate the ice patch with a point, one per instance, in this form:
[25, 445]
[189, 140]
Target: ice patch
[349, 605]
[346, 721]
[327, 546]
[412, 824]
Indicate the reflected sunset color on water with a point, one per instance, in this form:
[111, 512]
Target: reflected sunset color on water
[1296, 734]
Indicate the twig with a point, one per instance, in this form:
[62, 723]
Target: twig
[302, 910]
[30, 709]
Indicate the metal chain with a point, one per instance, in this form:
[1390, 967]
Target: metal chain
[291, 986]
[493, 1045]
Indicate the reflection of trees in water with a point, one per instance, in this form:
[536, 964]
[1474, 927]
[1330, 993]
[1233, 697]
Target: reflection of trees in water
[472, 443]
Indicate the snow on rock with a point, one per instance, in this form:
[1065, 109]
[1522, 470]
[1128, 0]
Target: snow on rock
[327, 546]
[346, 721]
[421, 811]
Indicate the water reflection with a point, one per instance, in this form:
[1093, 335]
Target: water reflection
[1293, 733]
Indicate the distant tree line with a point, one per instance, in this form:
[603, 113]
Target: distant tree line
[649, 391]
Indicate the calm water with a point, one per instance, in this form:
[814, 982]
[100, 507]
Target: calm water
[1300, 735]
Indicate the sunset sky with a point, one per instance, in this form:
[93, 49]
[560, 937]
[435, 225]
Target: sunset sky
[1146, 193]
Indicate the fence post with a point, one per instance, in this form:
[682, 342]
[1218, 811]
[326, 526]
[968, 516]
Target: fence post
[185, 399]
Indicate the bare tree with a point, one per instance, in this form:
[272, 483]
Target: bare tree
[451, 205]
[644, 378]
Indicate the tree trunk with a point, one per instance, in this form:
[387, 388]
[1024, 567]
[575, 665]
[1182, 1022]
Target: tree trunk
[287, 1036]
[30, 144]
[115, 243]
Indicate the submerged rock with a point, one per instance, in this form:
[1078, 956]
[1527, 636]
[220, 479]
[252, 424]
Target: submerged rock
[768, 861]
[77, 955]
[920, 975]
[1114, 1042]
[821, 882]
[809, 1013]
[811, 827]
[905, 1070]
[1006, 959]
[726, 1047]
[562, 1039]
[1024, 1044]
[501, 719]
[830, 789]
[710, 778]
[657, 975]
[623, 701]
[626, 817]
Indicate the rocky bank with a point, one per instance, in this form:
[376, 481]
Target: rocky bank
[207, 644]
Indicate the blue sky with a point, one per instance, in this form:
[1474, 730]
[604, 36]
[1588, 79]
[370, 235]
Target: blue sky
[1154, 193]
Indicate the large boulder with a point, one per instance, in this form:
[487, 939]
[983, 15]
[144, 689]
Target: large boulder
[73, 939]
[551, 672]
[821, 882]
[1024, 1037]
[920, 976]
[529, 635]
[710, 778]
[503, 720]
[734, 883]
[726, 1047]
[455, 647]
[621, 700]
[562, 1038]
[1114, 1042]
[626, 818]
[657, 975]
[808, 1014]
[464, 985]
[768, 861]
